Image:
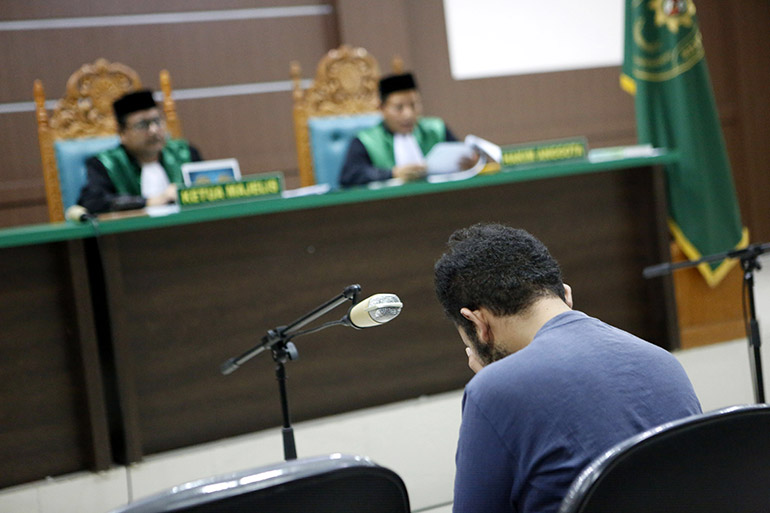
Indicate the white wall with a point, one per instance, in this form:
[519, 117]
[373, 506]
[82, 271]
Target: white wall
[490, 38]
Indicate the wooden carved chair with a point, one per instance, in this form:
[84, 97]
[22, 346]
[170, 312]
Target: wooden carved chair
[342, 100]
[82, 124]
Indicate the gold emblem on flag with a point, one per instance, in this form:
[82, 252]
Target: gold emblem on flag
[673, 13]
[663, 50]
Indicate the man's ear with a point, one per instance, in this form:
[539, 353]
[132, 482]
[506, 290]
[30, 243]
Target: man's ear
[480, 321]
[568, 295]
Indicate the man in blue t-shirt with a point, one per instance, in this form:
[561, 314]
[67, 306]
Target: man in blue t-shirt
[554, 387]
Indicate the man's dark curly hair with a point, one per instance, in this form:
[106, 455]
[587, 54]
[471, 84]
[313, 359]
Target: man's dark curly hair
[498, 267]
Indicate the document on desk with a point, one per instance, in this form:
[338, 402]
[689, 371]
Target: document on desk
[489, 150]
[162, 210]
[320, 188]
[446, 157]
[445, 164]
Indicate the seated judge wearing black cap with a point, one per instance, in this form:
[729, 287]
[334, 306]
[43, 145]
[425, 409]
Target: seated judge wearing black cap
[147, 166]
[396, 147]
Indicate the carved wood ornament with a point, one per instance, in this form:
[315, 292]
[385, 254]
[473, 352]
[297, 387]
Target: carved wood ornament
[346, 82]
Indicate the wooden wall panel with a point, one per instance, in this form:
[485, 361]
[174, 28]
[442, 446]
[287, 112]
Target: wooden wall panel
[48, 426]
[510, 110]
[261, 146]
[503, 109]
[198, 54]
[374, 26]
[255, 128]
[56, 9]
[748, 23]
[19, 186]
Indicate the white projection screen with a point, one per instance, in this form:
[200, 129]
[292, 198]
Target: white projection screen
[492, 38]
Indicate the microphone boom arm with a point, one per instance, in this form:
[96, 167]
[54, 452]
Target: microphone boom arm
[278, 340]
[286, 333]
[748, 257]
[349, 294]
[749, 252]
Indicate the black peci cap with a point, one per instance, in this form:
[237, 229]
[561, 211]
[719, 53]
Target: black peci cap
[132, 102]
[395, 83]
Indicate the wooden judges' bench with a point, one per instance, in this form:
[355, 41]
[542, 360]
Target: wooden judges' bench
[104, 364]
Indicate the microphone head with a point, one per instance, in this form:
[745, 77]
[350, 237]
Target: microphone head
[375, 310]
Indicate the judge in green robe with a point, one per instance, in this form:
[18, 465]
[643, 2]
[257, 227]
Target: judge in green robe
[147, 166]
[396, 147]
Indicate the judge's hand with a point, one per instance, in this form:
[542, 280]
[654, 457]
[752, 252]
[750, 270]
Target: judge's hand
[410, 172]
[473, 361]
[468, 162]
[167, 197]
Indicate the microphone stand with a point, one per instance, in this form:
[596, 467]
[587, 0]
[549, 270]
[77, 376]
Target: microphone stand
[748, 257]
[278, 340]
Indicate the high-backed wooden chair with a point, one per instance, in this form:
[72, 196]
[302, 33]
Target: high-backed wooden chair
[83, 124]
[342, 100]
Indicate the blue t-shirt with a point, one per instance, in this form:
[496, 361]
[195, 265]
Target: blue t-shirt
[533, 420]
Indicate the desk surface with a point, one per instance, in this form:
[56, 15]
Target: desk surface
[52, 232]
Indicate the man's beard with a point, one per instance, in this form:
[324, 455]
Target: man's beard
[487, 353]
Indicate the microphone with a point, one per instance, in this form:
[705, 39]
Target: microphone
[373, 311]
[78, 214]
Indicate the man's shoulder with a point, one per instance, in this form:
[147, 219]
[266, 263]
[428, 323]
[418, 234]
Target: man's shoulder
[93, 160]
[431, 120]
[117, 150]
[105, 158]
[177, 144]
[509, 377]
[377, 130]
[432, 123]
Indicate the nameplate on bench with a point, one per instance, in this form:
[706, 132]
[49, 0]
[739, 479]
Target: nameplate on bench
[544, 151]
[258, 186]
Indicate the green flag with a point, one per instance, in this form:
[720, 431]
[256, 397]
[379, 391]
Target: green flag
[665, 68]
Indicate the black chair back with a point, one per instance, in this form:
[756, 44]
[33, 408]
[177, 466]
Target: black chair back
[715, 462]
[326, 484]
